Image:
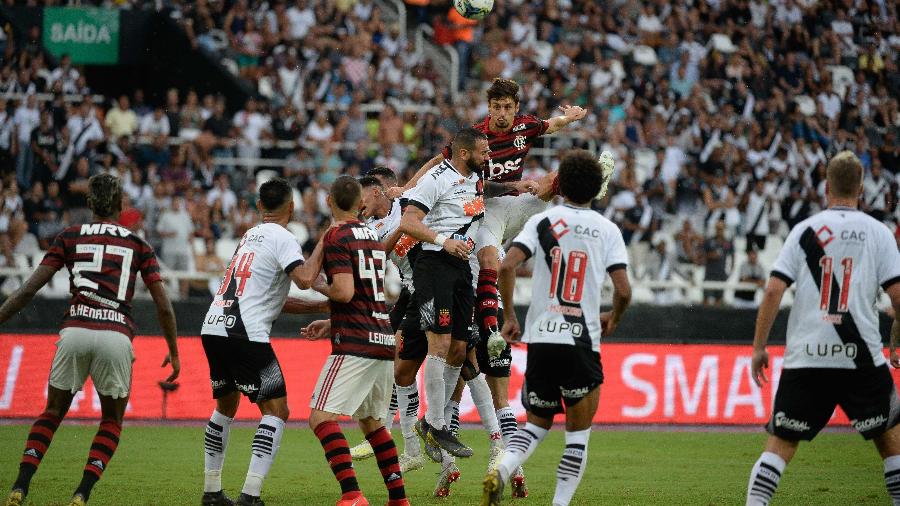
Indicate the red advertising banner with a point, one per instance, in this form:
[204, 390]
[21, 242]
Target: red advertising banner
[645, 383]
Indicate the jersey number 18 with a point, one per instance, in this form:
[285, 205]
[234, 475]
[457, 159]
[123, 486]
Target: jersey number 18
[573, 280]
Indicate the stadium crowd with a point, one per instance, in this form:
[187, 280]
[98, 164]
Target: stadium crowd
[721, 114]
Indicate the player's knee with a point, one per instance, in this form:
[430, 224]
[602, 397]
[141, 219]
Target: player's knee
[403, 374]
[469, 370]
[456, 355]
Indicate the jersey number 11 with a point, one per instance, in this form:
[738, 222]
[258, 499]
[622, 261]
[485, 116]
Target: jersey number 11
[827, 263]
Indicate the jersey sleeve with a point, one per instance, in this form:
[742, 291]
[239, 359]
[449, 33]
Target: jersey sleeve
[56, 254]
[616, 253]
[147, 265]
[527, 240]
[288, 252]
[337, 255]
[427, 192]
[787, 264]
[541, 124]
[888, 267]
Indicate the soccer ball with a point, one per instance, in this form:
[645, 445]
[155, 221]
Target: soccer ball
[473, 9]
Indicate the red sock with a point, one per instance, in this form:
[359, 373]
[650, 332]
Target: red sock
[386, 454]
[39, 439]
[488, 299]
[102, 449]
[337, 453]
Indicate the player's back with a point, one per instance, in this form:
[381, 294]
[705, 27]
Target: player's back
[574, 248]
[255, 285]
[103, 259]
[838, 259]
[360, 327]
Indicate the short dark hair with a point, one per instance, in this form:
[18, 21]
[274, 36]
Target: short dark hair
[465, 139]
[382, 173]
[345, 192]
[369, 181]
[104, 195]
[844, 175]
[503, 88]
[580, 176]
[275, 193]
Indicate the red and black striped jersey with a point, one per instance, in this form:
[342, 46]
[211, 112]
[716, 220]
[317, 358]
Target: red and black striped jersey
[508, 149]
[103, 260]
[360, 327]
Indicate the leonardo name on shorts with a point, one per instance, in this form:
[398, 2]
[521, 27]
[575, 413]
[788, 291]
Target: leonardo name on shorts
[97, 314]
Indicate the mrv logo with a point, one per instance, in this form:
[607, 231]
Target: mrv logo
[557, 327]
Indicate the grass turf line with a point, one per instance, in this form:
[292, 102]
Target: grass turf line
[163, 466]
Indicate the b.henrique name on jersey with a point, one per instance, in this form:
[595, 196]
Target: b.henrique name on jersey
[360, 327]
[104, 260]
[838, 258]
[453, 204]
[255, 285]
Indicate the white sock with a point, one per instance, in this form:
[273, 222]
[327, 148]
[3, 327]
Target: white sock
[764, 479]
[215, 442]
[892, 478]
[484, 403]
[451, 379]
[264, 447]
[435, 394]
[408, 406]
[507, 420]
[571, 466]
[519, 448]
[451, 414]
[392, 410]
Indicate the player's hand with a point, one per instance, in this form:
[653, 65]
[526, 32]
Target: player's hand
[394, 192]
[316, 330]
[895, 359]
[607, 324]
[511, 331]
[573, 112]
[544, 190]
[176, 366]
[526, 187]
[760, 361]
[457, 248]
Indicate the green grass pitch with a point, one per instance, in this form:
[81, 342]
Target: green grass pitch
[163, 466]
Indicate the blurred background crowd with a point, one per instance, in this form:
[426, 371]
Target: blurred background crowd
[721, 115]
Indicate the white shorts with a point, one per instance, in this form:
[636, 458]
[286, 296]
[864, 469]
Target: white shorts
[357, 387]
[105, 355]
[504, 218]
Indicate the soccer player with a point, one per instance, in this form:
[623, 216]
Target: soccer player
[833, 355]
[95, 336]
[357, 377]
[444, 212]
[510, 137]
[235, 337]
[576, 247]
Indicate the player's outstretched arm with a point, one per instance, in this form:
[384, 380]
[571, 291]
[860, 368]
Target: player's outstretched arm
[21, 297]
[341, 288]
[570, 114]
[305, 275]
[294, 305]
[391, 240]
[396, 191]
[893, 292]
[166, 315]
[319, 329]
[411, 224]
[506, 281]
[768, 310]
[621, 300]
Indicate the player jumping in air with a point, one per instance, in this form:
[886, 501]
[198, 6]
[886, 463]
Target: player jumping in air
[357, 378]
[833, 356]
[95, 336]
[510, 137]
[235, 337]
[564, 323]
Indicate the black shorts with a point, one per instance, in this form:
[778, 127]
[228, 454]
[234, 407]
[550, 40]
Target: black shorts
[399, 309]
[238, 365]
[498, 367]
[558, 374]
[412, 341]
[444, 294]
[806, 399]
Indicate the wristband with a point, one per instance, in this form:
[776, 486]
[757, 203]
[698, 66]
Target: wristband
[440, 239]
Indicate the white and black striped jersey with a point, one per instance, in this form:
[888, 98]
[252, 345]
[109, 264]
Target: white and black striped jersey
[453, 204]
[255, 285]
[574, 248]
[838, 258]
[385, 227]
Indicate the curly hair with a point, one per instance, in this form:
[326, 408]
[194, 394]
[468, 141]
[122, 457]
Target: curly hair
[580, 176]
[503, 88]
[104, 195]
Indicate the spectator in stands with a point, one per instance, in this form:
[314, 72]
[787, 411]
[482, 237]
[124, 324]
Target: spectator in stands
[45, 144]
[252, 128]
[66, 75]
[26, 119]
[121, 120]
[875, 190]
[718, 257]
[156, 124]
[750, 272]
[85, 133]
[176, 228]
[319, 129]
[756, 204]
[209, 263]
[223, 195]
[12, 224]
[76, 191]
[242, 219]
